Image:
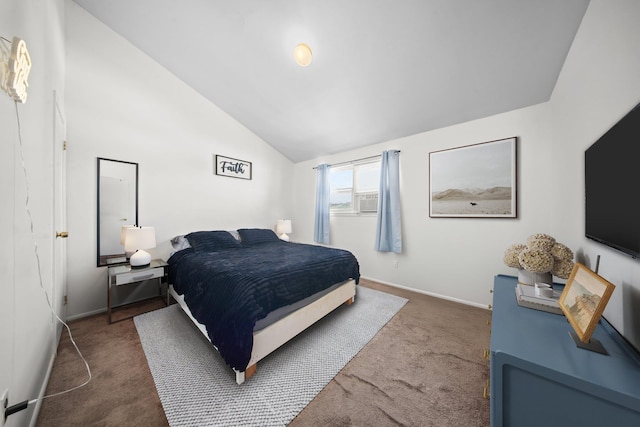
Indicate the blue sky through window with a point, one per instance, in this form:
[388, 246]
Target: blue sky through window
[344, 183]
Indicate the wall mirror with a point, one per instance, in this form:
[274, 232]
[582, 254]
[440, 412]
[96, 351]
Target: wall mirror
[117, 206]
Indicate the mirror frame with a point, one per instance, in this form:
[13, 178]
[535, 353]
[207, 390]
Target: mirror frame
[109, 260]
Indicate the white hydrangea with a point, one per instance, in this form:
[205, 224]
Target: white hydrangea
[541, 254]
[536, 260]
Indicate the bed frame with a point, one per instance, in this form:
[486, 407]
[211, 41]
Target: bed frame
[275, 335]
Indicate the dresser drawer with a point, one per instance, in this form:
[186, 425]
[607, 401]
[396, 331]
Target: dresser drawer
[137, 276]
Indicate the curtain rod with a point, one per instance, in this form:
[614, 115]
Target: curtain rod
[356, 160]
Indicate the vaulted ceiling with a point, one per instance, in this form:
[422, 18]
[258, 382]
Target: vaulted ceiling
[382, 69]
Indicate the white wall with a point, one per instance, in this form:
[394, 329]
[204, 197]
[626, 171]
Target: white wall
[28, 333]
[457, 258]
[454, 258]
[598, 85]
[122, 105]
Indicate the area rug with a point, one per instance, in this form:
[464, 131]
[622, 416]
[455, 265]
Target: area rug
[197, 388]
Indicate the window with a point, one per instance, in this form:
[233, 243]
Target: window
[354, 188]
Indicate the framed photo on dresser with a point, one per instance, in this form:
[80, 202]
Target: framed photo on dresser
[583, 300]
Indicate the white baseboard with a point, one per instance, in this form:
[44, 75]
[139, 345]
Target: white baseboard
[104, 310]
[431, 294]
[87, 314]
[43, 389]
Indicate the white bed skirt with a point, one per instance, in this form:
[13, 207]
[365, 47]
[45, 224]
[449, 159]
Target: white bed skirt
[273, 336]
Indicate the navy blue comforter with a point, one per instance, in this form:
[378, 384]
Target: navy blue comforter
[229, 290]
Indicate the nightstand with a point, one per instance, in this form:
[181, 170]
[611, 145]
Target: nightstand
[121, 275]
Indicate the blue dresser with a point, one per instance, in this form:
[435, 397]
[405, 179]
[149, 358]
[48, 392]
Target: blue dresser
[540, 378]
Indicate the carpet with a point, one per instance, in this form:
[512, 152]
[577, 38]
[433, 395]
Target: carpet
[197, 388]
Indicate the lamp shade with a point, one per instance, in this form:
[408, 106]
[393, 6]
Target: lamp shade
[123, 237]
[137, 239]
[283, 226]
[123, 233]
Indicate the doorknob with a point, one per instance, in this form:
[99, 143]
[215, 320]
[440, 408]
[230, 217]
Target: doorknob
[63, 234]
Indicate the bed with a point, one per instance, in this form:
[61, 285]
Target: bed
[250, 292]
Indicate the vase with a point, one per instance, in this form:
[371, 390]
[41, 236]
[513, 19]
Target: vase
[530, 278]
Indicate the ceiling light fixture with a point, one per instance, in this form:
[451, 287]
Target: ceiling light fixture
[302, 55]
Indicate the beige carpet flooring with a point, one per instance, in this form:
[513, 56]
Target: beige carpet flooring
[424, 368]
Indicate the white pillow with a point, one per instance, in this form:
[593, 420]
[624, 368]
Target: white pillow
[180, 242]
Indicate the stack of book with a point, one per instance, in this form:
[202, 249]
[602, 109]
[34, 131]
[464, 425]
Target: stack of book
[526, 297]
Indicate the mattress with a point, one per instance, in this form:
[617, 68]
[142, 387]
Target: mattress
[242, 288]
[283, 312]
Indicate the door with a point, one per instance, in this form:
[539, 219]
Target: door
[59, 217]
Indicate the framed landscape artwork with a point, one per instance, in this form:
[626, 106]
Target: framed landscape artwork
[474, 181]
[583, 300]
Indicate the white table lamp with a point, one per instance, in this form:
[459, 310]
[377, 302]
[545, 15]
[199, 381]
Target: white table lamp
[283, 226]
[137, 239]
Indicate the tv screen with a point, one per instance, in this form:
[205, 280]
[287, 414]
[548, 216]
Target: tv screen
[612, 177]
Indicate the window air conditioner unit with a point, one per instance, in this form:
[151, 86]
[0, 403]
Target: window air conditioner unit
[368, 202]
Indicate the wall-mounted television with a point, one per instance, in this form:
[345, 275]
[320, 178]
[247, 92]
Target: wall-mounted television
[612, 177]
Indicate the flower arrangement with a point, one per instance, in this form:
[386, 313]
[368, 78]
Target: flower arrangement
[542, 254]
